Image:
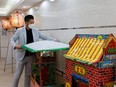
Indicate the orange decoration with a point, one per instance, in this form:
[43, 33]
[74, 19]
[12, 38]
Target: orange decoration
[17, 20]
[6, 24]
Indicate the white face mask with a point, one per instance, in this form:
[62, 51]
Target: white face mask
[32, 26]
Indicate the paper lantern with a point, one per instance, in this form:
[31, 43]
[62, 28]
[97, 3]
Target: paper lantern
[17, 20]
[6, 24]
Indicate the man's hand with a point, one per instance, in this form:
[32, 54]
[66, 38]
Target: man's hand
[17, 47]
[56, 40]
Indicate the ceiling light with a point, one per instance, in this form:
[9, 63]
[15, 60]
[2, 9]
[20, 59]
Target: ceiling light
[37, 8]
[52, 0]
[25, 7]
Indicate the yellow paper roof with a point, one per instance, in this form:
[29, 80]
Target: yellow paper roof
[87, 50]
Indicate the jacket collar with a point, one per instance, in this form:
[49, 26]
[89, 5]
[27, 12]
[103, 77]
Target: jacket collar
[25, 36]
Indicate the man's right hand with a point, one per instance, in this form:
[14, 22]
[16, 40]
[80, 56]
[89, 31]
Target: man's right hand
[17, 47]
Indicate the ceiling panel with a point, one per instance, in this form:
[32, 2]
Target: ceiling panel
[28, 3]
[7, 6]
[3, 3]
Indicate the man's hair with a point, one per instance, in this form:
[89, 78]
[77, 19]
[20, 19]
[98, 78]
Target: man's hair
[28, 18]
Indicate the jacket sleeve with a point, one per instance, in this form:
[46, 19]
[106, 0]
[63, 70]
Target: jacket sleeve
[45, 37]
[14, 38]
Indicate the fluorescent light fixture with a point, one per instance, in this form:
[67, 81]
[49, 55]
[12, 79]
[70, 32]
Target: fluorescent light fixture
[49, 0]
[37, 8]
[25, 7]
[52, 0]
[31, 11]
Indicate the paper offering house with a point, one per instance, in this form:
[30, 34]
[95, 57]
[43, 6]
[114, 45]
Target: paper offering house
[91, 60]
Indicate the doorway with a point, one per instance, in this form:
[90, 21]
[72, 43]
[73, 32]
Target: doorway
[79, 81]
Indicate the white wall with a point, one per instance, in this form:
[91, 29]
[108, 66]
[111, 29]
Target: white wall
[75, 13]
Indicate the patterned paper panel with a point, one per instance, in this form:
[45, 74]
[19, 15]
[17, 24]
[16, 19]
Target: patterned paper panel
[88, 50]
[45, 46]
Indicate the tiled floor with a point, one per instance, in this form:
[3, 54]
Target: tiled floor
[6, 77]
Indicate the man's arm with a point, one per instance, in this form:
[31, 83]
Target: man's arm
[14, 39]
[45, 37]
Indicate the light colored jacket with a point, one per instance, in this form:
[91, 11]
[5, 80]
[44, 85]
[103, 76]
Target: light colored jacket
[20, 38]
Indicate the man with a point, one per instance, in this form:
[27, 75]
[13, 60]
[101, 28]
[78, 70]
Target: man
[24, 58]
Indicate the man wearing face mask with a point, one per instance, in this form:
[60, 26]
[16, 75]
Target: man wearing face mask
[24, 58]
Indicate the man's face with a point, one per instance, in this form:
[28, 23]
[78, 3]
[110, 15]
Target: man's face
[31, 21]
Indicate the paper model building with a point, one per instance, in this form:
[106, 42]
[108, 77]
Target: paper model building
[91, 60]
